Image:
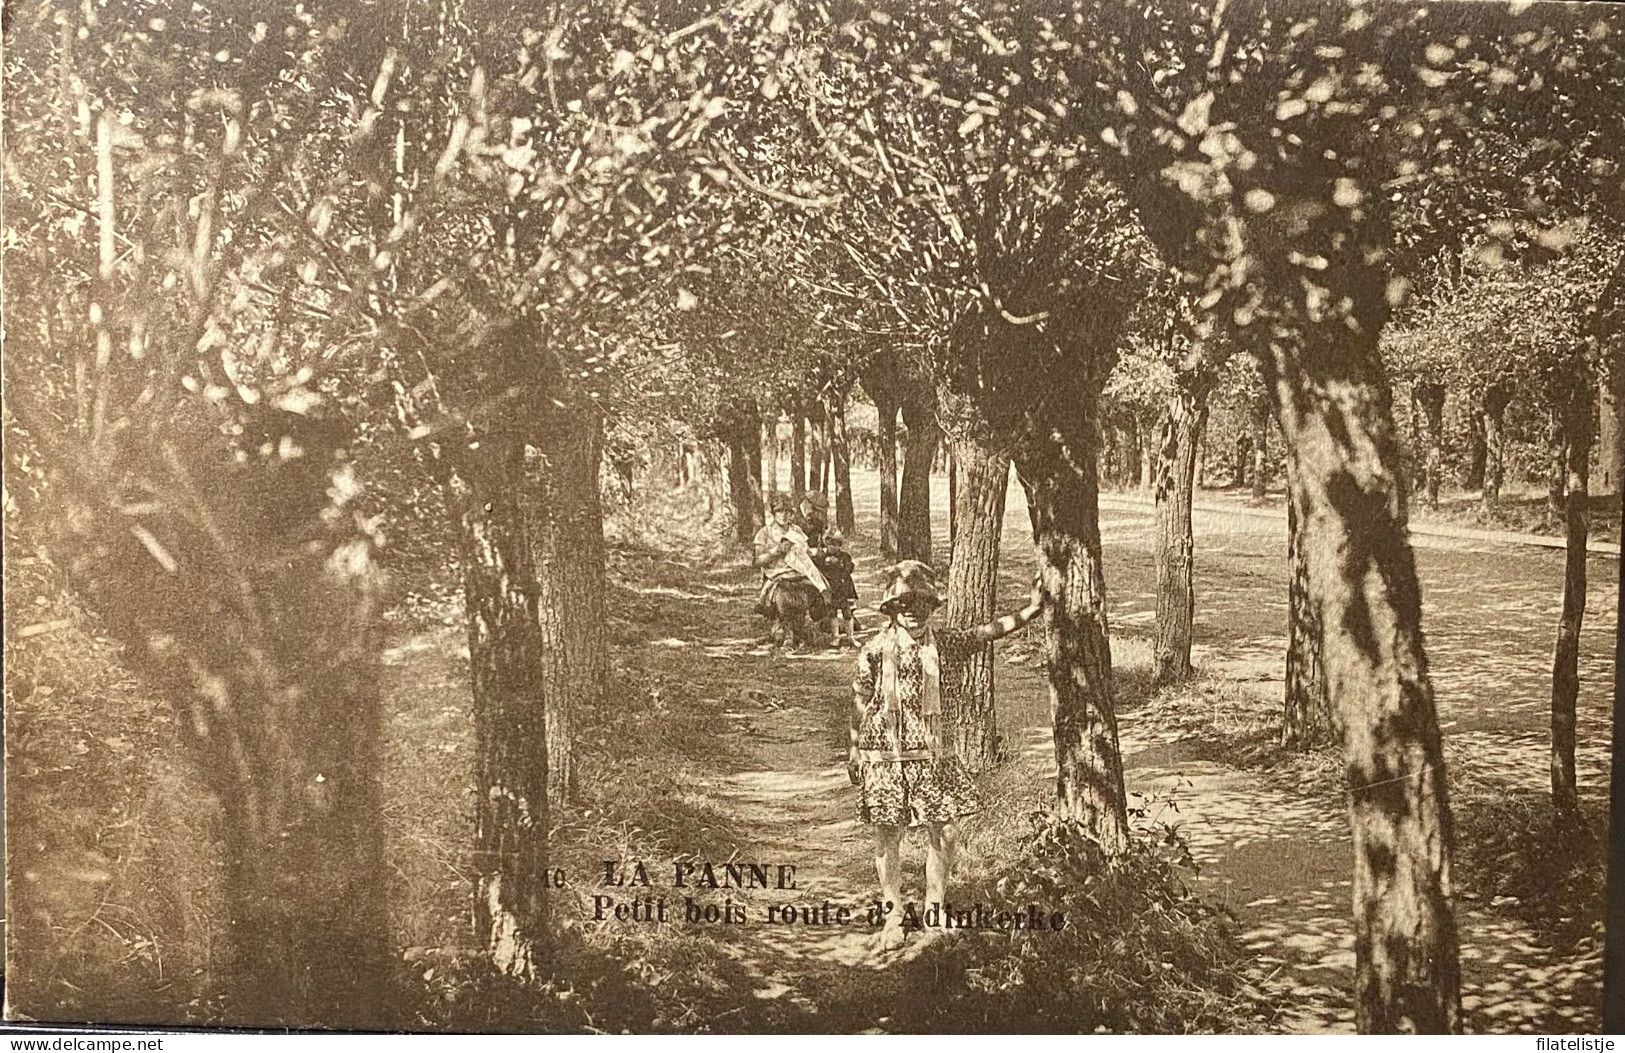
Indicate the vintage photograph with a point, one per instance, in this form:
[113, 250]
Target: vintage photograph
[786, 516]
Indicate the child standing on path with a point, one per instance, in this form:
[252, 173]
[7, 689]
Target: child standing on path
[837, 566]
[905, 773]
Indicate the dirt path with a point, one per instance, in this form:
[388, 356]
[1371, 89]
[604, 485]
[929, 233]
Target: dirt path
[791, 794]
[1284, 871]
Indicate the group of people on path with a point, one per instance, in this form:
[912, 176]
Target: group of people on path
[797, 545]
[906, 772]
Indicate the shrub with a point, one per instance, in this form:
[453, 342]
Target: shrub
[1138, 952]
[1550, 869]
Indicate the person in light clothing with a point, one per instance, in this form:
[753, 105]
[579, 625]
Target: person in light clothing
[781, 553]
[906, 772]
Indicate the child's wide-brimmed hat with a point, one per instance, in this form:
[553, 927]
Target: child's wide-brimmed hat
[910, 581]
[781, 502]
[817, 499]
[834, 537]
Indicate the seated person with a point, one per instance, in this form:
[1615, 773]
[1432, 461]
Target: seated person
[780, 550]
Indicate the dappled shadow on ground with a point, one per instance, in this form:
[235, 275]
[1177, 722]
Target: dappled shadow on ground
[807, 973]
[1272, 838]
[1272, 833]
[766, 780]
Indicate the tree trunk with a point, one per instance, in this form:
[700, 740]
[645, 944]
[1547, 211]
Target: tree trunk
[1566, 655]
[1430, 397]
[1557, 464]
[567, 535]
[914, 494]
[1243, 454]
[309, 942]
[891, 527]
[772, 430]
[1131, 454]
[1333, 403]
[1494, 409]
[310, 937]
[1176, 542]
[1413, 453]
[754, 444]
[1610, 440]
[696, 463]
[1260, 423]
[1477, 454]
[744, 484]
[246, 593]
[953, 504]
[827, 479]
[712, 460]
[310, 933]
[828, 485]
[798, 456]
[815, 454]
[840, 459]
[509, 671]
[1306, 718]
[1555, 460]
[973, 588]
[1063, 489]
[1148, 459]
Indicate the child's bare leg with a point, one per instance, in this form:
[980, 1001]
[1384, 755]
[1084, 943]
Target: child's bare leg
[889, 868]
[939, 860]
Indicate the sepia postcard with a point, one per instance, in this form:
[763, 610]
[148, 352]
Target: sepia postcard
[780, 517]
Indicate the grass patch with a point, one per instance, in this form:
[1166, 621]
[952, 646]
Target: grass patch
[1515, 851]
[111, 875]
[1228, 722]
[1138, 952]
[1521, 513]
[640, 759]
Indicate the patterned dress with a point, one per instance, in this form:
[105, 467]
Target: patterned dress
[902, 779]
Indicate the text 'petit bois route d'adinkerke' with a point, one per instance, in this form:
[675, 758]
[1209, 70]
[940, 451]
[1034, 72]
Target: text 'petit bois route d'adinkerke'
[700, 875]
